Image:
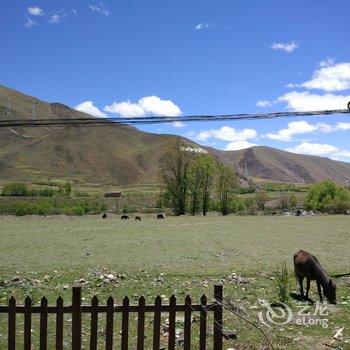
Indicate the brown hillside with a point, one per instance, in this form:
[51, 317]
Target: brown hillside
[274, 164]
[123, 155]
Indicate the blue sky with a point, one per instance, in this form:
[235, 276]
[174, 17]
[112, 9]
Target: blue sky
[144, 57]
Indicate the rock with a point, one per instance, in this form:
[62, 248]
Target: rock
[46, 278]
[110, 277]
[82, 280]
[15, 279]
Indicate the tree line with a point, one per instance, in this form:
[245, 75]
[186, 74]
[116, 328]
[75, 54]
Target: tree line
[195, 182]
[190, 179]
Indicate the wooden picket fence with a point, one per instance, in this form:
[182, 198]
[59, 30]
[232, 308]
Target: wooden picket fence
[76, 309]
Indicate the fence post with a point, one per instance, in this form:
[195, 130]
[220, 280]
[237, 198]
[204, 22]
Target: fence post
[218, 317]
[12, 324]
[76, 318]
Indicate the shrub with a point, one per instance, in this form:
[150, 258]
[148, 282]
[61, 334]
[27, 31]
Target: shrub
[78, 210]
[126, 208]
[327, 197]
[51, 207]
[14, 189]
[251, 205]
[241, 207]
[260, 199]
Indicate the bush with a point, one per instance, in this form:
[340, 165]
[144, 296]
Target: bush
[241, 207]
[51, 207]
[126, 209]
[287, 201]
[327, 197]
[260, 199]
[251, 205]
[78, 210]
[14, 189]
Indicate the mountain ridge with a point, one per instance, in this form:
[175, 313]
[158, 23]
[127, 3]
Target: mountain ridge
[124, 155]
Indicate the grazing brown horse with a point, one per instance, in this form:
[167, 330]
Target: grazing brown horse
[307, 266]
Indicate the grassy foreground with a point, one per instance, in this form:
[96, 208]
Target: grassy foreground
[184, 255]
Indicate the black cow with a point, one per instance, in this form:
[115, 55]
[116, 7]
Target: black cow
[160, 216]
[137, 218]
[124, 217]
[104, 216]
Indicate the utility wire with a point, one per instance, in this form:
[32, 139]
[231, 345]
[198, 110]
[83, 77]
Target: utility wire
[163, 119]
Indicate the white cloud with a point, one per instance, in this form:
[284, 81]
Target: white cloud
[226, 133]
[100, 8]
[55, 19]
[125, 109]
[89, 108]
[263, 103]
[293, 128]
[178, 124]
[317, 149]
[303, 127]
[29, 23]
[202, 26]
[306, 101]
[35, 11]
[237, 145]
[343, 126]
[330, 77]
[287, 47]
[149, 105]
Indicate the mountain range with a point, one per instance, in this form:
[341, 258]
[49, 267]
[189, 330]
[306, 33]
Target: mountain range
[122, 155]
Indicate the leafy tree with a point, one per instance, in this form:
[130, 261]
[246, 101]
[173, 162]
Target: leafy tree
[174, 175]
[226, 183]
[194, 186]
[326, 196]
[201, 174]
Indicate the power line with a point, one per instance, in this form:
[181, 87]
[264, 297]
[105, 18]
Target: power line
[164, 119]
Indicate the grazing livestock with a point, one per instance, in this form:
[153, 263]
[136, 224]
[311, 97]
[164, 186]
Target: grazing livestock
[160, 216]
[307, 266]
[104, 216]
[124, 217]
[137, 218]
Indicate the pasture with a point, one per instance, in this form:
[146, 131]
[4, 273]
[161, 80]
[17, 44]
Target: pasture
[181, 255]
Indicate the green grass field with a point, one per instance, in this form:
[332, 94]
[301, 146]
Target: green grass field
[183, 255]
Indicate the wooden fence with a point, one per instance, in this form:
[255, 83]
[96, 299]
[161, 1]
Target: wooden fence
[76, 309]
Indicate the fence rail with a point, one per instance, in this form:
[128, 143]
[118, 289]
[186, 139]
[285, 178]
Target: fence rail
[76, 309]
